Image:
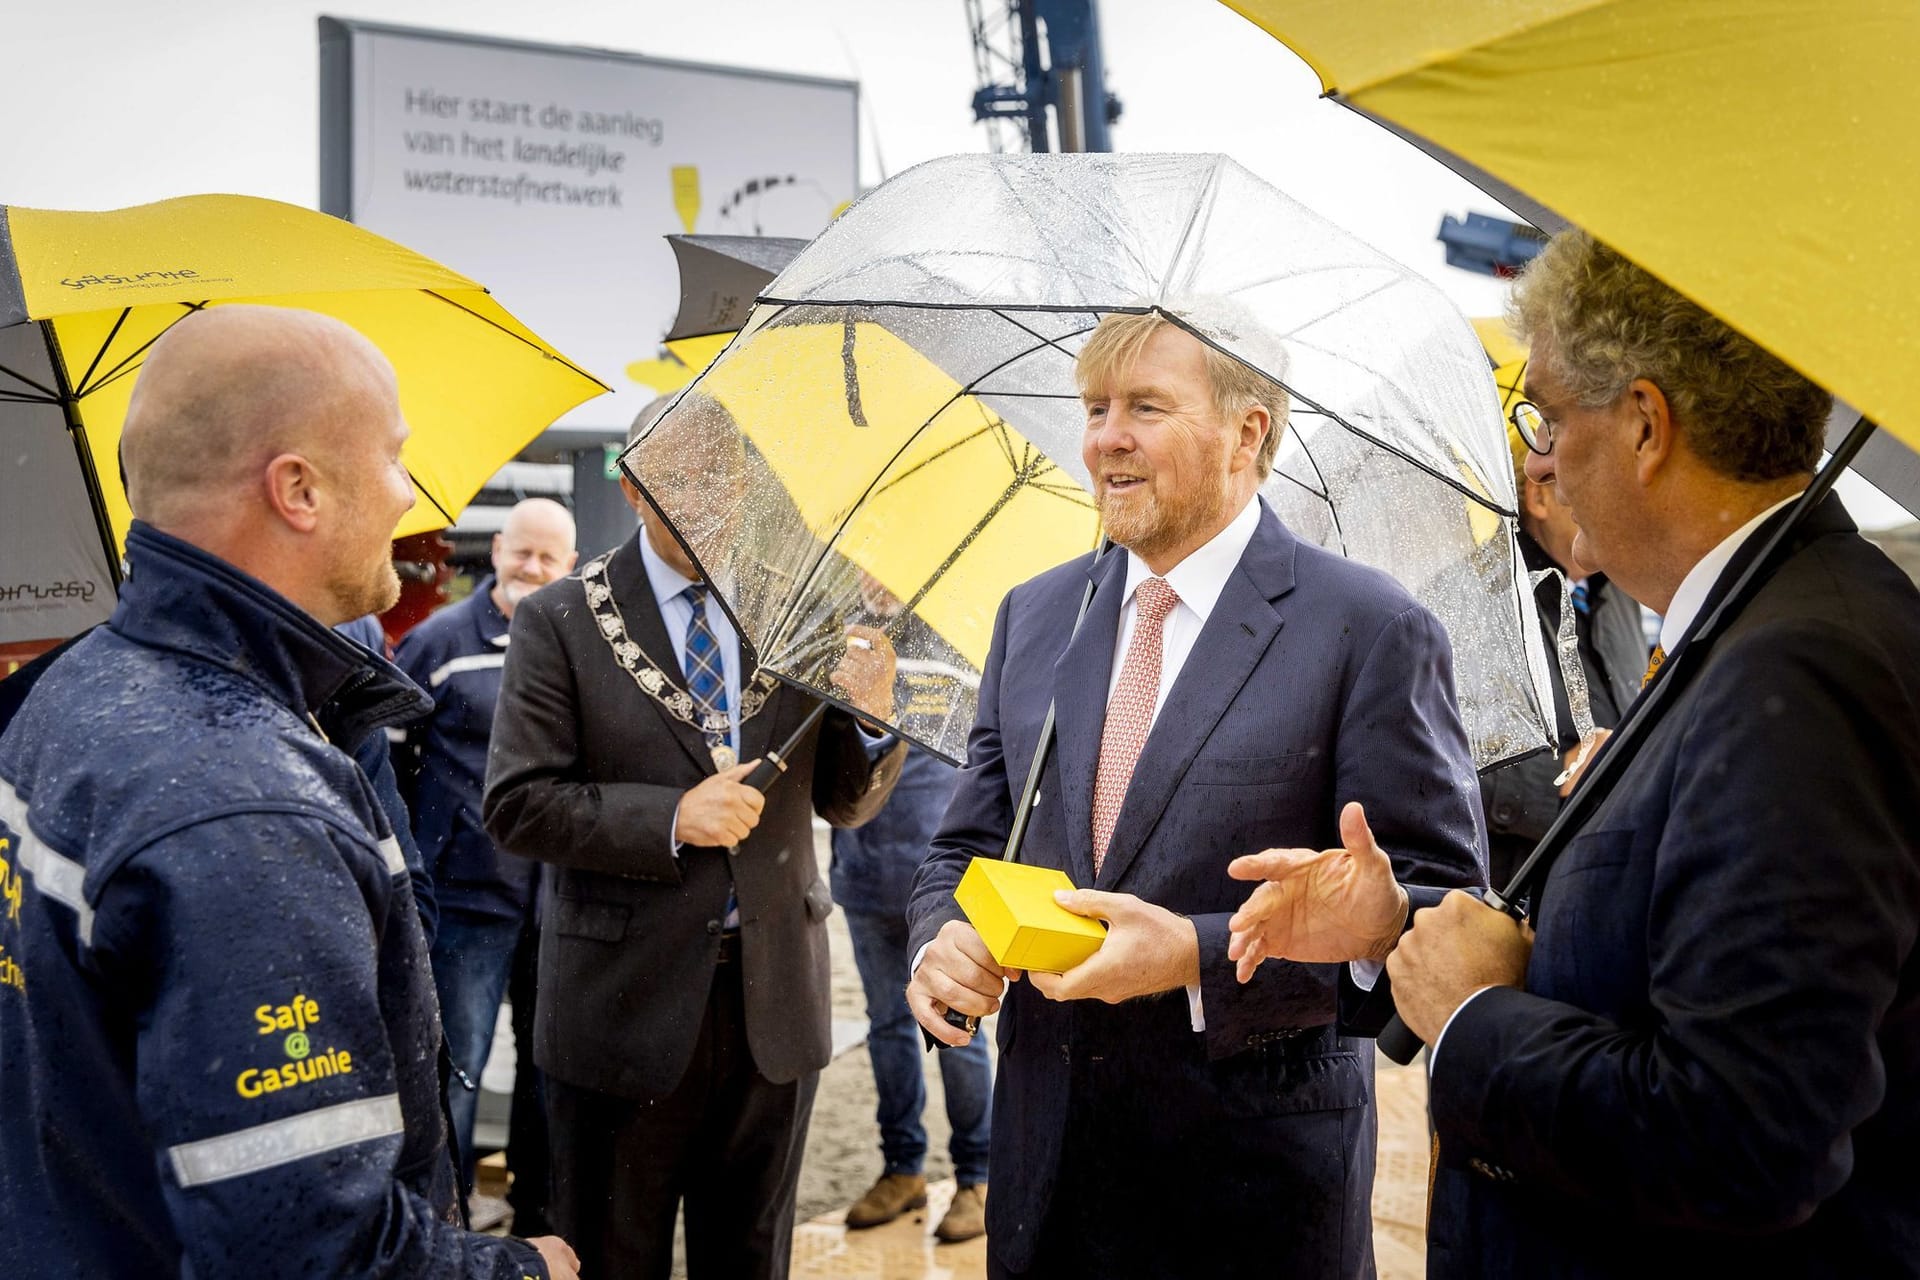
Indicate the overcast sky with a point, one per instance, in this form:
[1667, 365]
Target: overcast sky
[116, 102]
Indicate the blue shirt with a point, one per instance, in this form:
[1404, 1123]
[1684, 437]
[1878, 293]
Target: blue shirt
[676, 613]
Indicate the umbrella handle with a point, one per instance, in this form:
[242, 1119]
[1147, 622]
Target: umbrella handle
[774, 763]
[1397, 1039]
[1398, 1042]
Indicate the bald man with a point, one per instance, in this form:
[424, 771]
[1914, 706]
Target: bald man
[218, 1039]
[488, 936]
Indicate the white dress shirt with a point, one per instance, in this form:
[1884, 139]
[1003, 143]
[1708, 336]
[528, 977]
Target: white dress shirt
[1682, 610]
[1198, 581]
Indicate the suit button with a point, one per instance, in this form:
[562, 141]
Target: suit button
[1503, 813]
[713, 926]
[1491, 1172]
[1066, 1055]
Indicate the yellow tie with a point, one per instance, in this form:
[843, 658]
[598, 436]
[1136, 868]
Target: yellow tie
[1658, 656]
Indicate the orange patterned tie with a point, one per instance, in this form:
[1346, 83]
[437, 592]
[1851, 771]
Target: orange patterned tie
[1658, 656]
[1130, 710]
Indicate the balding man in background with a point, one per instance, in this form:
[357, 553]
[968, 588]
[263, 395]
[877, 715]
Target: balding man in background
[217, 1033]
[489, 935]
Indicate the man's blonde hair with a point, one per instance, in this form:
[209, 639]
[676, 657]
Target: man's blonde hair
[1597, 322]
[1116, 343]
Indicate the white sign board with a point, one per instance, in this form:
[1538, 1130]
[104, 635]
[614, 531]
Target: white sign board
[551, 174]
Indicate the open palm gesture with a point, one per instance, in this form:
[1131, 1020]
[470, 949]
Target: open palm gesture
[1318, 906]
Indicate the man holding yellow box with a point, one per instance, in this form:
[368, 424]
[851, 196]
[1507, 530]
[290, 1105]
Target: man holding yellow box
[1229, 688]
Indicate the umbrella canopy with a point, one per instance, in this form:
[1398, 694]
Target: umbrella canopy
[901, 407]
[84, 295]
[1642, 121]
[720, 276]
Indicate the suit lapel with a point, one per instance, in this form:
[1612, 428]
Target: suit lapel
[1080, 680]
[1236, 636]
[633, 593]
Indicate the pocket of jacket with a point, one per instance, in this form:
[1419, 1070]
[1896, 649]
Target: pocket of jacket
[584, 918]
[1274, 1080]
[1593, 850]
[1249, 771]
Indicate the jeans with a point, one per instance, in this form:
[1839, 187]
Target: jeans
[893, 1042]
[472, 960]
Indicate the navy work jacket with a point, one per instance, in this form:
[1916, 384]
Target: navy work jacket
[456, 656]
[218, 1036]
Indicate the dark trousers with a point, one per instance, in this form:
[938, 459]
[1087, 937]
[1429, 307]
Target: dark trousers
[527, 1124]
[473, 957]
[726, 1140]
[1231, 1170]
[881, 954]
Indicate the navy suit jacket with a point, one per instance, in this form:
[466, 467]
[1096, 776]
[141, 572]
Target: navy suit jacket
[1714, 1068]
[1314, 682]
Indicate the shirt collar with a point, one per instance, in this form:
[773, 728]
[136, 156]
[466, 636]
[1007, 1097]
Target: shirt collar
[1200, 578]
[666, 580]
[1693, 589]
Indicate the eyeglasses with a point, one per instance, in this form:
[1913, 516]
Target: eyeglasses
[1535, 428]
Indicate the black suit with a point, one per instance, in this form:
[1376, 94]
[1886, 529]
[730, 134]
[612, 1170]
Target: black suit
[585, 774]
[1125, 1144]
[1714, 1068]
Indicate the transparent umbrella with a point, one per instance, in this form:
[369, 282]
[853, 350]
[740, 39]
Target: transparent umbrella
[893, 437]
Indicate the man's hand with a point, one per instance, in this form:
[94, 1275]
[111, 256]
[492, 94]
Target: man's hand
[1452, 951]
[1318, 907]
[562, 1262]
[721, 811]
[958, 972]
[1148, 950]
[865, 673]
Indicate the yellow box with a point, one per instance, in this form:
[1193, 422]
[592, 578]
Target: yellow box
[1012, 906]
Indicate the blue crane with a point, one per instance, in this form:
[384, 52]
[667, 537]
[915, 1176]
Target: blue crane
[1032, 55]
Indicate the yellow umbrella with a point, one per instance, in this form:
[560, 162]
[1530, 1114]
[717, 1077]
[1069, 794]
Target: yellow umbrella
[1755, 154]
[965, 482]
[83, 295]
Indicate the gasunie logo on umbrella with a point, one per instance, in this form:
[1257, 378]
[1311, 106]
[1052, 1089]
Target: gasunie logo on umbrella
[83, 282]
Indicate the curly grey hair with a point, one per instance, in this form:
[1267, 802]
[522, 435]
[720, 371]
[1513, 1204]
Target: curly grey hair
[1597, 322]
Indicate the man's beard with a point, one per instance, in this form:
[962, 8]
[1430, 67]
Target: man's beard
[1150, 527]
[373, 592]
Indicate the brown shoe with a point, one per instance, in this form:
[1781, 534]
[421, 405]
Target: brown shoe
[966, 1217]
[887, 1199]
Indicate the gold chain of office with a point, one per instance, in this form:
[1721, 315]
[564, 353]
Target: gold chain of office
[647, 674]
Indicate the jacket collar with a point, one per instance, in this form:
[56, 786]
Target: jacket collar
[1829, 516]
[180, 598]
[487, 616]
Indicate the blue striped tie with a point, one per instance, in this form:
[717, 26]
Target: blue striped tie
[706, 680]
